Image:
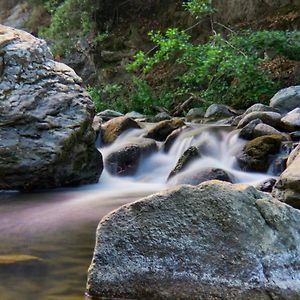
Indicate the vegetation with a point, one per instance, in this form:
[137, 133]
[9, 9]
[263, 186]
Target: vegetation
[229, 68]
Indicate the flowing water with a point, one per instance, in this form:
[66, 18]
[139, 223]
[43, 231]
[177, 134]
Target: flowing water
[58, 227]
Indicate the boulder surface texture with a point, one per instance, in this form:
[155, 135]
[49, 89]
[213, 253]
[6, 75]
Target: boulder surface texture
[46, 138]
[213, 241]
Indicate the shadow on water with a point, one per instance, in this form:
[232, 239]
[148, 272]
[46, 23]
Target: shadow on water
[58, 227]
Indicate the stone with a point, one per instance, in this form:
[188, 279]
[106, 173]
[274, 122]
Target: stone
[287, 188]
[264, 129]
[113, 128]
[247, 132]
[163, 129]
[218, 111]
[196, 176]
[162, 116]
[125, 160]
[267, 185]
[270, 118]
[195, 114]
[109, 114]
[291, 121]
[260, 107]
[295, 135]
[258, 153]
[46, 135]
[213, 241]
[186, 159]
[134, 115]
[286, 99]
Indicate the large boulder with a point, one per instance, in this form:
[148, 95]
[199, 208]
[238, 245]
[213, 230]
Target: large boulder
[258, 153]
[286, 99]
[219, 111]
[213, 241]
[292, 120]
[287, 188]
[260, 107]
[46, 135]
[270, 118]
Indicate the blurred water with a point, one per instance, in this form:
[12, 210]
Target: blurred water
[59, 226]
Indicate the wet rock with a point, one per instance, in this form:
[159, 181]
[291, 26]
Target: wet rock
[295, 135]
[235, 121]
[257, 154]
[292, 120]
[248, 131]
[186, 159]
[113, 128]
[196, 176]
[286, 99]
[260, 107]
[195, 114]
[109, 114]
[213, 241]
[219, 111]
[46, 135]
[161, 130]
[162, 116]
[267, 185]
[270, 118]
[287, 188]
[125, 160]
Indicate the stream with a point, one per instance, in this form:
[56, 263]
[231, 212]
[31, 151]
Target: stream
[59, 226]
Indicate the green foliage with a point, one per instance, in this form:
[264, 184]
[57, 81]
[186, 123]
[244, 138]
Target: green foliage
[227, 70]
[199, 7]
[71, 20]
[138, 97]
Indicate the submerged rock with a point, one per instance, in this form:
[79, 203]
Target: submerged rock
[46, 135]
[257, 154]
[286, 99]
[163, 129]
[213, 241]
[197, 176]
[124, 161]
[113, 128]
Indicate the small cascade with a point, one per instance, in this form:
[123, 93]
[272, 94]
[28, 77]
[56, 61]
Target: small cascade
[217, 145]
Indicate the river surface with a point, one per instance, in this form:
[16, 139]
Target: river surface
[58, 227]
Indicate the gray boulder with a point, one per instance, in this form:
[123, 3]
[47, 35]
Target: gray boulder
[292, 120]
[247, 132]
[46, 135]
[213, 241]
[162, 116]
[270, 118]
[219, 111]
[286, 99]
[124, 161]
[109, 114]
[264, 129]
[260, 107]
[195, 114]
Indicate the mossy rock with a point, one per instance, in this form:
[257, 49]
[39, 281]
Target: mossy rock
[257, 154]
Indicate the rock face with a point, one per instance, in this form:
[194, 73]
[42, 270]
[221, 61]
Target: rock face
[214, 241]
[286, 99]
[287, 188]
[46, 138]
